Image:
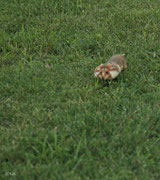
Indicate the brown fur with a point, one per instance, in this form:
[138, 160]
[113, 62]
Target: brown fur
[111, 65]
[117, 59]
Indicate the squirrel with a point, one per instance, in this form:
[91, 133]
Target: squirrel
[111, 69]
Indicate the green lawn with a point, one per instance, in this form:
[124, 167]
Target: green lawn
[56, 120]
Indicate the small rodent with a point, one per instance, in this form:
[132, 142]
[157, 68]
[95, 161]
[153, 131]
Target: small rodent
[111, 68]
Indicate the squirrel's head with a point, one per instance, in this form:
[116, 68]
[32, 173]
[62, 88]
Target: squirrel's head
[102, 71]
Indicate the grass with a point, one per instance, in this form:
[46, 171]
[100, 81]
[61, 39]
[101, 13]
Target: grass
[57, 120]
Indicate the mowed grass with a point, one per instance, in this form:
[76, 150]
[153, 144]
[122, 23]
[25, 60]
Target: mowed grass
[58, 121]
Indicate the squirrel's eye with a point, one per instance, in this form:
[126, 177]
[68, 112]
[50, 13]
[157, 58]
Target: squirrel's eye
[107, 72]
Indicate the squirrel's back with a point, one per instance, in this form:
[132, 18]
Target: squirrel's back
[119, 60]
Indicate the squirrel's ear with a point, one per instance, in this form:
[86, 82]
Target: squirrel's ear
[101, 66]
[109, 65]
